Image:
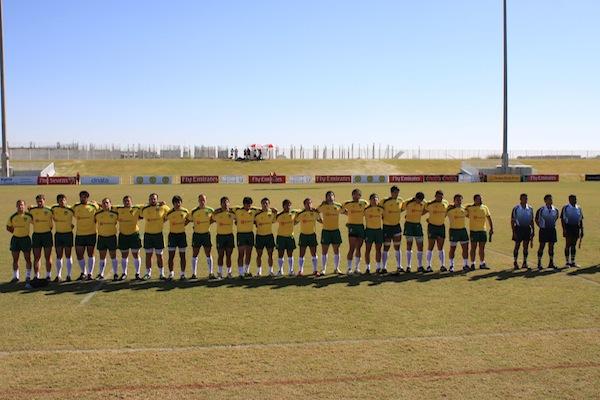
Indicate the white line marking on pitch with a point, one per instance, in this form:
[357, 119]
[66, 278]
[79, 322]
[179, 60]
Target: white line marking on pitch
[91, 294]
[302, 344]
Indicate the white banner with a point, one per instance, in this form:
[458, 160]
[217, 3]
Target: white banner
[100, 180]
[300, 179]
[19, 180]
[153, 180]
[369, 178]
[231, 179]
[468, 178]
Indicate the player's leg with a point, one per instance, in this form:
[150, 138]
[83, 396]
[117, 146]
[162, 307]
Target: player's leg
[240, 259]
[431, 241]
[228, 256]
[69, 260]
[270, 259]
[301, 254]
[358, 245]
[452, 254]
[314, 259]
[220, 257]
[259, 253]
[112, 252]
[101, 263]
[349, 257]
[397, 242]
[37, 255]
[441, 254]
[336, 258]
[368, 246]
[182, 262]
[378, 247]
[60, 251]
[15, 265]
[171, 259]
[419, 241]
[124, 262]
[482, 253]
[465, 253]
[248, 259]
[79, 254]
[526, 243]
[137, 262]
[91, 261]
[209, 261]
[290, 259]
[324, 251]
[516, 251]
[551, 255]
[280, 254]
[540, 253]
[48, 258]
[195, 252]
[409, 245]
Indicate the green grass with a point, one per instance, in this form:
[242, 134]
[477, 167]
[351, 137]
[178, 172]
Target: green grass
[488, 334]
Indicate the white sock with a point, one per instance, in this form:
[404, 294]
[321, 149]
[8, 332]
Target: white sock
[356, 262]
[429, 256]
[368, 267]
[137, 264]
[194, 265]
[37, 275]
[398, 258]
[91, 262]
[58, 267]
[408, 258]
[47, 274]
[171, 274]
[452, 262]
[102, 265]
[465, 261]
[124, 262]
[271, 269]
[241, 270]
[349, 264]
[420, 258]
[161, 271]
[384, 257]
[149, 271]
[378, 265]
[220, 269]
[229, 270]
[16, 274]
[324, 261]
[291, 264]
[246, 268]
[27, 273]
[336, 261]
[442, 256]
[209, 263]
[300, 264]
[280, 264]
[259, 270]
[115, 266]
[82, 265]
[315, 262]
[69, 266]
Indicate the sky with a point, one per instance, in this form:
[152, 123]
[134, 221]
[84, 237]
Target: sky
[401, 72]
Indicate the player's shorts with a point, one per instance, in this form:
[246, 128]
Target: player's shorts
[263, 241]
[201, 240]
[331, 237]
[20, 244]
[286, 243]
[85, 240]
[436, 231]
[413, 229]
[225, 241]
[107, 242]
[63, 239]
[245, 239]
[522, 234]
[127, 242]
[374, 236]
[459, 236]
[356, 230]
[391, 231]
[154, 241]
[177, 240]
[548, 235]
[39, 240]
[307, 240]
[478, 236]
[572, 232]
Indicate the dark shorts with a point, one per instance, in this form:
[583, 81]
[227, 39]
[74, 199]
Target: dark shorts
[177, 240]
[127, 242]
[201, 240]
[356, 230]
[478, 236]
[413, 229]
[374, 236]
[154, 241]
[436, 231]
[459, 235]
[64, 239]
[20, 244]
[307, 240]
[572, 232]
[548, 235]
[331, 237]
[39, 240]
[286, 243]
[245, 239]
[522, 234]
[107, 242]
[225, 241]
[391, 231]
[263, 241]
[85, 240]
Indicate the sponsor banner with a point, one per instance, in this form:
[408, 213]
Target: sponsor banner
[592, 177]
[19, 180]
[199, 179]
[468, 178]
[540, 178]
[152, 180]
[300, 179]
[369, 178]
[441, 178]
[333, 179]
[231, 179]
[100, 180]
[406, 178]
[56, 180]
[266, 179]
[503, 178]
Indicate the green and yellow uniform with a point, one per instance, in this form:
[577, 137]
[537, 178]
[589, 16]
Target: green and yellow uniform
[42, 227]
[85, 214]
[21, 224]
[63, 225]
[374, 220]
[129, 230]
[392, 209]
[224, 220]
[355, 223]
[200, 219]
[107, 220]
[477, 222]
[264, 229]
[414, 211]
[437, 216]
[153, 228]
[330, 216]
[308, 227]
[458, 231]
[285, 230]
[177, 219]
[244, 220]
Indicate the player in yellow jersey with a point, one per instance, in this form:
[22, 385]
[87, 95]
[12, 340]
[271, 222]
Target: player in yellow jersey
[392, 233]
[373, 215]
[200, 217]
[19, 224]
[264, 220]
[42, 234]
[63, 215]
[85, 234]
[436, 230]
[129, 236]
[154, 243]
[457, 216]
[244, 221]
[224, 218]
[178, 219]
[106, 221]
[355, 209]
[307, 218]
[285, 237]
[413, 230]
[478, 214]
[330, 235]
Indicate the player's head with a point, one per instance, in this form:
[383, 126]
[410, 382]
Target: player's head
[420, 196]
[307, 203]
[394, 191]
[61, 200]
[224, 202]
[287, 204]
[202, 200]
[265, 203]
[106, 204]
[356, 194]
[153, 199]
[373, 199]
[572, 199]
[40, 200]
[523, 198]
[20, 205]
[84, 196]
[548, 199]
[127, 201]
[477, 200]
[177, 200]
[458, 199]
[439, 195]
[247, 202]
[329, 196]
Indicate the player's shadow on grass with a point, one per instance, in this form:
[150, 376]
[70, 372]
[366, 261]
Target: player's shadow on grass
[505, 274]
[592, 269]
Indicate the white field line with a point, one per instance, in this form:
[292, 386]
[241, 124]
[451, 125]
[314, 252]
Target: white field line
[322, 343]
[91, 294]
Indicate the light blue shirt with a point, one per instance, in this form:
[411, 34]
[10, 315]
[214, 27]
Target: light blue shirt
[523, 216]
[572, 215]
[547, 216]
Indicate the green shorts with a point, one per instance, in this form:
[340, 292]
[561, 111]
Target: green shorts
[436, 231]
[20, 244]
[225, 241]
[331, 237]
[307, 240]
[85, 240]
[391, 231]
[64, 239]
[245, 239]
[154, 241]
[286, 243]
[412, 229]
[459, 235]
[478, 236]
[374, 235]
[356, 230]
[107, 242]
[201, 240]
[263, 241]
[127, 242]
[177, 240]
[39, 240]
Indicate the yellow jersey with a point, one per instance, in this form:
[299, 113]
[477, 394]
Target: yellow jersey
[177, 220]
[21, 224]
[437, 211]
[374, 217]
[286, 223]
[457, 217]
[154, 217]
[85, 216]
[200, 218]
[391, 210]
[264, 222]
[63, 219]
[244, 219]
[330, 214]
[107, 222]
[128, 219]
[42, 219]
[477, 216]
[414, 210]
[308, 221]
[224, 220]
[355, 211]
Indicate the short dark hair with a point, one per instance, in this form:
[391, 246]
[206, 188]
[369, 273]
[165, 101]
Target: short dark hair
[475, 196]
[126, 197]
[523, 195]
[265, 199]
[176, 199]
[327, 193]
[286, 201]
[247, 200]
[458, 195]
[40, 197]
[84, 193]
[223, 199]
[420, 195]
[394, 189]
[356, 191]
[373, 195]
[548, 196]
[59, 197]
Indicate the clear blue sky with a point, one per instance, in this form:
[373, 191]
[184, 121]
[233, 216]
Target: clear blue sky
[408, 73]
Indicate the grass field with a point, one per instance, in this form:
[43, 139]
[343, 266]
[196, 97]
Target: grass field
[487, 334]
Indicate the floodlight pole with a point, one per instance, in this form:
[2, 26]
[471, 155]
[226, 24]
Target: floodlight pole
[5, 167]
[505, 127]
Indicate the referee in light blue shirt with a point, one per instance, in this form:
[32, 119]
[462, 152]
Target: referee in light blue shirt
[523, 229]
[545, 218]
[571, 218]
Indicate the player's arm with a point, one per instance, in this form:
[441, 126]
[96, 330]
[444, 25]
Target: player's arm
[581, 226]
[513, 219]
[9, 226]
[537, 217]
[562, 220]
[490, 223]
